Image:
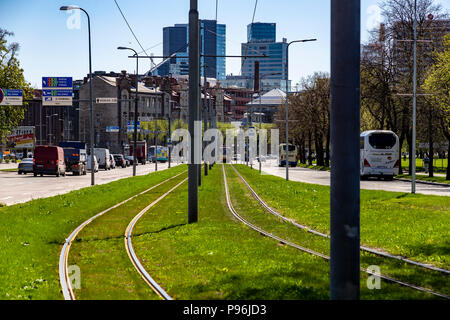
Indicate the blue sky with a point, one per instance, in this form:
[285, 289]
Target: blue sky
[50, 48]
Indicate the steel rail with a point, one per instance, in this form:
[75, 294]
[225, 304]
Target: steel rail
[132, 255]
[261, 231]
[306, 228]
[64, 279]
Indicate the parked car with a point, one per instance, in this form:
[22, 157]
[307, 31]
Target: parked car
[25, 166]
[129, 159]
[102, 155]
[112, 161]
[49, 160]
[89, 163]
[120, 160]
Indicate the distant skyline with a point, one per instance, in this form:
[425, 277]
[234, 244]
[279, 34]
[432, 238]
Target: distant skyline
[54, 43]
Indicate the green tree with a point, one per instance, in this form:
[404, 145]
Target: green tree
[438, 84]
[11, 77]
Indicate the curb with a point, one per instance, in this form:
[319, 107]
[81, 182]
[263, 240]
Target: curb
[425, 182]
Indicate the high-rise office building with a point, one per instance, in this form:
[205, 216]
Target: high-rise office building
[175, 40]
[261, 32]
[262, 41]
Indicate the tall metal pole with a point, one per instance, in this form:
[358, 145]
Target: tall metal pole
[205, 124]
[40, 124]
[91, 102]
[156, 141]
[135, 109]
[135, 116]
[170, 133]
[194, 80]
[287, 102]
[260, 116]
[199, 110]
[287, 111]
[345, 131]
[413, 149]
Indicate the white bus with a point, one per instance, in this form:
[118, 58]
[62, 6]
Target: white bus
[292, 155]
[379, 154]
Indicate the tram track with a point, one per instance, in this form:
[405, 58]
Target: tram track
[65, 282]
[132, 254]
[307, 250]
[323, 235]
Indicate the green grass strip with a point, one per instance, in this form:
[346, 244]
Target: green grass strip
[411, 225]
[32, 233]
[220, 258]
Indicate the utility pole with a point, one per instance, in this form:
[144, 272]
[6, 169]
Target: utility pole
[199, 112]
[194, 81]
[170, 133]
[345, 132]
[205, 124]
[413, 129]
[156, 141]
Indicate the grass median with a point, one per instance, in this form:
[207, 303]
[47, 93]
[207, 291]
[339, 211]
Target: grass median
[411, 225]
[32, 233]
[220, 258]
[248, 207]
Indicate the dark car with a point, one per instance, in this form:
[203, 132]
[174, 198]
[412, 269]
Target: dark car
[49, 160]
[120, 160]
[25, 166]
[130, 160]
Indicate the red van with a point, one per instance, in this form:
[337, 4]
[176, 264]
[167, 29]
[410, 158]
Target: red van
[49, 160]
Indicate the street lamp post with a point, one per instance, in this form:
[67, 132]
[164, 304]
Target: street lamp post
[287, 102]
[260, 109]
[135, 108]
[50, 126]
[66, 8]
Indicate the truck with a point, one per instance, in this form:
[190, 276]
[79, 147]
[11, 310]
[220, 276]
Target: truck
[102, 155]
[75, 156]
[141, 151]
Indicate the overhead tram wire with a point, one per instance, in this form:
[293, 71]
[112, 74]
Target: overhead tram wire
[134, 35]
[251, 31]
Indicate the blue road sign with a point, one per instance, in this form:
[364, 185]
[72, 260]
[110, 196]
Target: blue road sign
[57, 93]
[11, 97]
[57, 82]
[13, 92]
[112, 129]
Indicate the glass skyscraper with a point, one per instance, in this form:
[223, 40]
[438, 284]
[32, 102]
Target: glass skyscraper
[262, 41]
[261, 32]
[175, 40]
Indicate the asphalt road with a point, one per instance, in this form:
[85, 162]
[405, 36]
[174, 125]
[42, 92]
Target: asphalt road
[323, 178]
[15, 188]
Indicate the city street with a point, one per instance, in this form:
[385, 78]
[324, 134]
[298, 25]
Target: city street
[323, 178]
[23, 188]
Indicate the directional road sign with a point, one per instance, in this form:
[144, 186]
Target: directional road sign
[57, 91]
[10, 97]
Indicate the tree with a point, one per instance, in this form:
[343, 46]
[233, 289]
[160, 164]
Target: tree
[437, 83]
[11, 77]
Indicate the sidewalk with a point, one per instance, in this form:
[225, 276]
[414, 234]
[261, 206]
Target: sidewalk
[10, 165]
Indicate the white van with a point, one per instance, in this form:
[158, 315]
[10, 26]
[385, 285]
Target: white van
[103, 158]
[379, 154]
